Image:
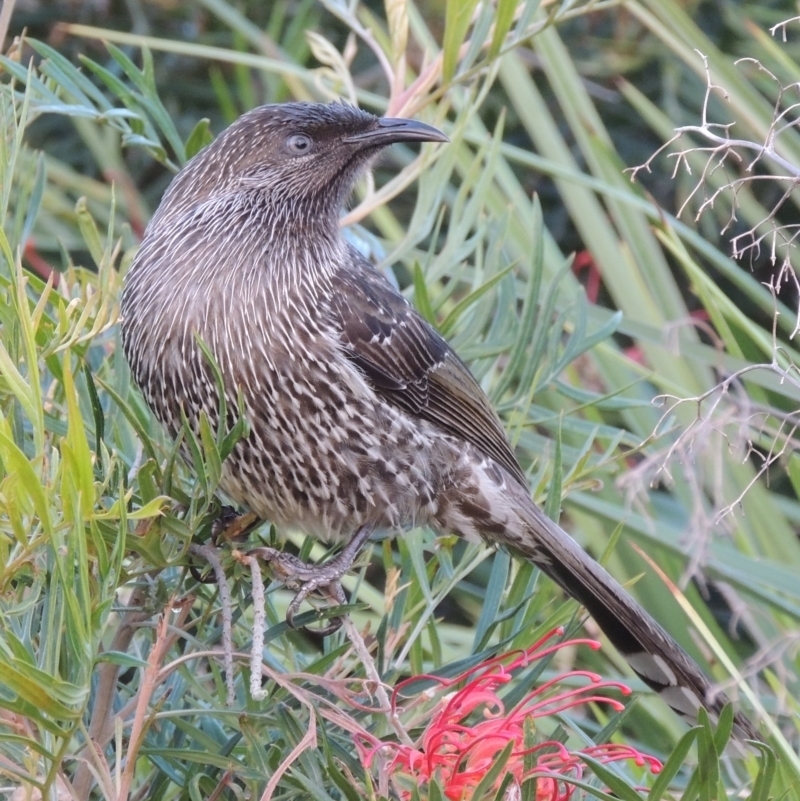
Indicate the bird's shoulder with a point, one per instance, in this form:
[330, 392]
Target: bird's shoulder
[409, 364]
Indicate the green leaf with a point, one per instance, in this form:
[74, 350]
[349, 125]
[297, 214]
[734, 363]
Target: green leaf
[766, 772]
[199, 137]
[673, 765]
[97, 409]
[458, 15]
[504, 19]
[612, 780]
[196, 452]
[35, 200]
[88, 228]
[421, 297]
[435, 791]
[122, 659]
[153, 508]
[26, 484]
[495, 589]
[553, 503]
[724, 728]
[458, 310]
[497, 770]
[77, 476]
[65, 74]
[114, 84]
[211, 455]
[130, 416]
[707, 759]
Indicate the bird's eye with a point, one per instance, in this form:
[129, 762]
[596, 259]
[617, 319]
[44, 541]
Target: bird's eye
[299, 144]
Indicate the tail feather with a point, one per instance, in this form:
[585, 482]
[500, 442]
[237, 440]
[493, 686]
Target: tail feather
[650, 651]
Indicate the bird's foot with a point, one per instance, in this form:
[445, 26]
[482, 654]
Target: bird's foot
[305, 578]
[232, 526]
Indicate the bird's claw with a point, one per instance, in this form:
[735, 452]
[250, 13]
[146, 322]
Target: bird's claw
[297, 575]
[334, 589]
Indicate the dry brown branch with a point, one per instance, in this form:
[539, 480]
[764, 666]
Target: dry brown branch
[150, 681]
[101, 726]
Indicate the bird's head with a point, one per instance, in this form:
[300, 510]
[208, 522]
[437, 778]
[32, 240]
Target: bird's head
[303, 157]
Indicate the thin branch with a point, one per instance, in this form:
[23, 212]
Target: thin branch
[210, 554]
[360, 647]
[721, 149]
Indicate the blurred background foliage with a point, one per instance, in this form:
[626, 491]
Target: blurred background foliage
[594, 317]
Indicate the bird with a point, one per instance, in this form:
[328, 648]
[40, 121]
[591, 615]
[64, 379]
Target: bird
[360, 416]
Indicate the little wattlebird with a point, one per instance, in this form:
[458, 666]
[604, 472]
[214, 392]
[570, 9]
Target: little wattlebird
[361, 416]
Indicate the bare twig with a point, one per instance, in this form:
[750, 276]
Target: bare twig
[360, 647]
[723, 151]
[210, 554]
[760, 435]
[782, 26]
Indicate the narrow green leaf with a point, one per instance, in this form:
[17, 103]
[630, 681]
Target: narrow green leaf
[452, 318]
[34, 201]
[77, 477]
[27, 323]
[18, 385]
[135, 75]
[37, 90]
[458, 15]
[199, 137]
[97, 409]
[495, 771]
[114, 85]
[673, 765]
[193, 444]
[707, 759]
[504, 19]
[130, 416]
[724, 728]
[552, 507]
[421, 298]
[44, 692]
[65, 74]
[766, 773]
[88, 228]
[495, 590]
[435, 792]
[212, 459]
[155, 107]
[27, 485]
[611, 779]
[153, 508]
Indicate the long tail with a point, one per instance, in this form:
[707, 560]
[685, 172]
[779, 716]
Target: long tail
[652, 653]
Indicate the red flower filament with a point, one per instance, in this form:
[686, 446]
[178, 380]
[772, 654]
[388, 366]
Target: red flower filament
[458, 753]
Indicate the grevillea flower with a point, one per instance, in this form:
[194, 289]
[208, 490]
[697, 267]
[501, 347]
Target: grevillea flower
[469, 728]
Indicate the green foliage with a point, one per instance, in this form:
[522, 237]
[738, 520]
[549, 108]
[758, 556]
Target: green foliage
[108, 635]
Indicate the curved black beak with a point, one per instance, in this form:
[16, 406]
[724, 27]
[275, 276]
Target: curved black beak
[390, 130]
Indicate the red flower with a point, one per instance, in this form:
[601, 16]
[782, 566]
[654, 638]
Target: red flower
[470, 727]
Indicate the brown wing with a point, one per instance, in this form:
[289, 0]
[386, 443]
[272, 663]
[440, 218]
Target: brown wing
[409, 364]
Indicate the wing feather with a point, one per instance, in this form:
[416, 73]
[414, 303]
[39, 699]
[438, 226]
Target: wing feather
[410, 365]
